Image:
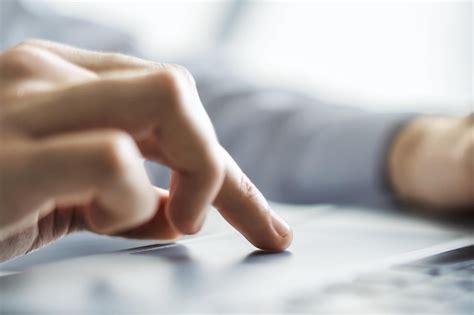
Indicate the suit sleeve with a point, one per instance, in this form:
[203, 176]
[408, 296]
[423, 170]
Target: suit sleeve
[300, 149]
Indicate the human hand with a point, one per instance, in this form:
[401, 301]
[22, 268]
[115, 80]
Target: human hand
[431, 164]
[75, 126]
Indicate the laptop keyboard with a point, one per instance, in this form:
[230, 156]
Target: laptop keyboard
[441, 284]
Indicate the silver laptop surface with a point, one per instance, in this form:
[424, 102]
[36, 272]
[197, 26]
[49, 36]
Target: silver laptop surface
[343, 260]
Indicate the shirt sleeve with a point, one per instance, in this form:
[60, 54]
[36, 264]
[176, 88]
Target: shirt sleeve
[300, 149]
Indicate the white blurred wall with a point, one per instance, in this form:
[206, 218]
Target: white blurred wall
[385, 55]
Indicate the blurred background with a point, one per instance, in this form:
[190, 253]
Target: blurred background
[384, 55]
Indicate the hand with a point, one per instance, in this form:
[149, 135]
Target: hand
[75, 126]
[431, 163]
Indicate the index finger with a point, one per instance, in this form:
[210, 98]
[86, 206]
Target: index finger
[245, 208]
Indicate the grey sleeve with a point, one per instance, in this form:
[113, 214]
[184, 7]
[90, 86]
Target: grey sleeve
[299, 149]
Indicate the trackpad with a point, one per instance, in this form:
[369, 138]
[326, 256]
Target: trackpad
[222, 269]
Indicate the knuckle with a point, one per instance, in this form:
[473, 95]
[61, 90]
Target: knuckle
[176, 78]
[179, 72]
[164, 87]
[172, 85]
[118, 153]
[20, 60]
[170, 80]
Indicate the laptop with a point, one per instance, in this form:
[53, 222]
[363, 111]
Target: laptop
[344, 260]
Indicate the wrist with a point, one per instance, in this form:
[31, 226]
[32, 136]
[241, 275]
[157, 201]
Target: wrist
[401, 158]
[413, 160]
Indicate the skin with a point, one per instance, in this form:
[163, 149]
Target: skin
[431, 165]
[75, 127]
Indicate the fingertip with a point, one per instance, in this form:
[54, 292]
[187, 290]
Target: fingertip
[279, 225]
[275, 245]
[286, 240]
[278, 238]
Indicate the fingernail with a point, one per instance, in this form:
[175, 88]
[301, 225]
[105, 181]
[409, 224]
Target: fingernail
[280, 225]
